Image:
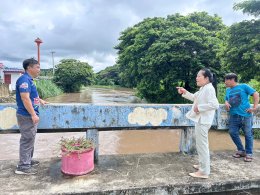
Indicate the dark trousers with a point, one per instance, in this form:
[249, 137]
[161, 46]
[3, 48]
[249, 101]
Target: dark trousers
[28, 132]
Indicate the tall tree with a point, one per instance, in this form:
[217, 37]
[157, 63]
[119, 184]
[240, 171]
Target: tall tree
[251, 7]
[133, 47]
[108, 76]
[71, 74]
[242, 53]
[158, 54]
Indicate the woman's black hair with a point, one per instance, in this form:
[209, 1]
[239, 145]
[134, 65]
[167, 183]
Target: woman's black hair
[212, 77]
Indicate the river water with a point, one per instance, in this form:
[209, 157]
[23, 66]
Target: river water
[125, 142]
[112, 142]
[96, 95]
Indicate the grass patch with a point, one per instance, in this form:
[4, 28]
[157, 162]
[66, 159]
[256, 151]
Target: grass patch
[256, 133]
[46, 88]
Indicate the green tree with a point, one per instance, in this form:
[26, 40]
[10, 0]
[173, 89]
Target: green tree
[47, 72]
[71, 74]
[108, 76]
[242, 52]
[158, 54]
[133, 47]
[251, 7]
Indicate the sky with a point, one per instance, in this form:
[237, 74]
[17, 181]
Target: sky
[86, 30]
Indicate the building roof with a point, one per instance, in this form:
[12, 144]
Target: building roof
[13, 70]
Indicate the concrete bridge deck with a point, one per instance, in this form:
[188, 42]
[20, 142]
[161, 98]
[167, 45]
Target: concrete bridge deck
[158, 174]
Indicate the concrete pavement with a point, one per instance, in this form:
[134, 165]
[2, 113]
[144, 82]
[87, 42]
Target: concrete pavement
[164, 173]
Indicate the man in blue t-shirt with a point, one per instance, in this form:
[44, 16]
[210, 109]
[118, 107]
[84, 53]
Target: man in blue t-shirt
[28, 102]
[240, 110]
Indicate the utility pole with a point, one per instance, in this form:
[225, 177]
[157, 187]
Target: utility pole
[52, 52]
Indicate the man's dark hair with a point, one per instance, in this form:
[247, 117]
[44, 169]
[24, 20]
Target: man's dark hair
[230, 76]
[29, 62]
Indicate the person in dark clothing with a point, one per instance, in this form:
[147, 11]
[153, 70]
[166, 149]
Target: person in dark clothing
[27, 114]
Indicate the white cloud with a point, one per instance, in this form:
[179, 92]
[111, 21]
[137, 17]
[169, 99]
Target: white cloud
[99, 61]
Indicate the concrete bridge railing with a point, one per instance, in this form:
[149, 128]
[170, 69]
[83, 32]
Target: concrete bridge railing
[99, 117]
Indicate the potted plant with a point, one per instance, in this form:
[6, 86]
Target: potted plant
[77, 156]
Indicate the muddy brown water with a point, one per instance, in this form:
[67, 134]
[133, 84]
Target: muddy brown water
[111, 142]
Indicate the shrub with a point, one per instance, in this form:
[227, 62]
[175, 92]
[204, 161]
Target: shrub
[46, 88]
[221, 93]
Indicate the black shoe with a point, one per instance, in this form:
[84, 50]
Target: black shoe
[34, 163]
[23, 171]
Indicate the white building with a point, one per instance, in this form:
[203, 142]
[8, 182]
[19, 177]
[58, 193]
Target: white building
[10, 75]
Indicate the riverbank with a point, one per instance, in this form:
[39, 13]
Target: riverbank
[158, 174]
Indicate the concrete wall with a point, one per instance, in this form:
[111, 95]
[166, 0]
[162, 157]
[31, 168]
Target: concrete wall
[71, 116]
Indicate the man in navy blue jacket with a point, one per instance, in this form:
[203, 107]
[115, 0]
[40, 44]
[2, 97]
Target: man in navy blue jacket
[28, 102]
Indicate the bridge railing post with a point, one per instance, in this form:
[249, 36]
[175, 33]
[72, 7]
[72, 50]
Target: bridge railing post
[92, 134]
[187, 141]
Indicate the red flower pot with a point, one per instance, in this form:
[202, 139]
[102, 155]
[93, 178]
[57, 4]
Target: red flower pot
[75, 163]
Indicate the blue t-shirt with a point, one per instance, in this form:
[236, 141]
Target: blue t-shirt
[25, 84]
[238, 98]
